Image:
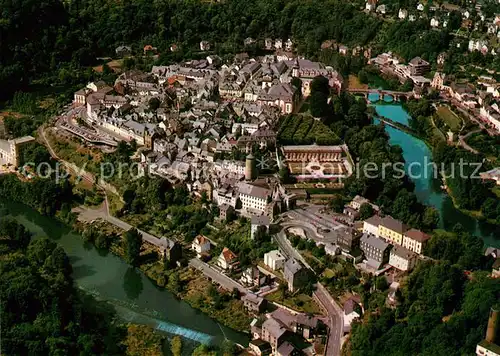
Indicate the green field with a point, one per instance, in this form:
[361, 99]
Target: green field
[450, 118]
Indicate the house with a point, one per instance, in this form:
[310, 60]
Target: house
[149, 49]
[122, 51]
[347, 239]
[402, 258]
[260, 347]
[434, 22]
[201, 245]
[418, 66]
[254, 303]
[268, 43]
[415, 240]
[204, 46]
[274, 332]
[228, 260]
[288, 349]
[375, 250]
[438, 81]
[170, 250]
[495, 269]
[302, 324]
[296, 275]
[274, 260]
[370, 225]
[225, 211]
[402, 14]
[253, 277]
[259, 224]
[492, 174]
[420, 7]
[371, 5]
[381, 9]
[391, 230]
[352, 311]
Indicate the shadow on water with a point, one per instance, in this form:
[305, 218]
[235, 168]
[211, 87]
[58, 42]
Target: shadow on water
[109, 278]
[82, 271]
[132, 283]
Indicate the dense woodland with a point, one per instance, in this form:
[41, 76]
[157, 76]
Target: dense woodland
[42, 311]
[441, 312]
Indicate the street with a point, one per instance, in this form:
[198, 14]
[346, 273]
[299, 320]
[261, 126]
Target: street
[217, 277]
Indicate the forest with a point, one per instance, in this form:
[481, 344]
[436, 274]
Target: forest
[42, 311]
[441, 312]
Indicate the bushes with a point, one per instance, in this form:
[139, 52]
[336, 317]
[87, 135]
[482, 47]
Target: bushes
[304, 130]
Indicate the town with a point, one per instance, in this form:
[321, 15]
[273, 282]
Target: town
[222, 178]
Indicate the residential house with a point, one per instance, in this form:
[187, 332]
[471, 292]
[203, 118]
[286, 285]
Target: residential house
[200, 245]
[402, 14]
[296, 275]
[438, 81]
[274, 260]
[254, 303]
[204, 46]
[228, 260]
[225, 210]
[415, 240]
[402, 258]
[288, 349]
[274, 332]
[371, 5]
[348, 239]
[391, 230]
[302, 324]
[252, 276]
[375, 250]
[352, 311]
[122, 51]
[370, 225]
[259, 224]
[260, 347]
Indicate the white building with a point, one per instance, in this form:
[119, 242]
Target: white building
[370, 225]
[274, 260]
[402, 14]
[201, 245]
[227, 260]
[415, 240]
[253, 199]
[402, 258]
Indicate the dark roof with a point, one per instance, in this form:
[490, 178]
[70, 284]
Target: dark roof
[393, 224]
[261, 344]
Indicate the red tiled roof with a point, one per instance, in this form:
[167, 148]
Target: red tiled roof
[228, 255]
[417, 235]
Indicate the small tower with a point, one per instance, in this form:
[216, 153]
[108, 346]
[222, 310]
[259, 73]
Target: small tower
[451, 136]
[250, 170]
[295, 68]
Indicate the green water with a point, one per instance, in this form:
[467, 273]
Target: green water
[107, 277]
[427, 188]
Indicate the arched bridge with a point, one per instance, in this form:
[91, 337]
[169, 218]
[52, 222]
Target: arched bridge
[381, 93]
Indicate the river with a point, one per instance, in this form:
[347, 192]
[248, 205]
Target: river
[135, 297]
[427, 188]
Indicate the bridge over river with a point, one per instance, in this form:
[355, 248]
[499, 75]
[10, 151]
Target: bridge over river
[396, 95]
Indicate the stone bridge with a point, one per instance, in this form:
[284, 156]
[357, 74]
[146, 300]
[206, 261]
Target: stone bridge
[396, 95]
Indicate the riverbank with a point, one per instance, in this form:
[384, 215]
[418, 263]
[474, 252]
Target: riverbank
[428, 190]
[137, 296]
[186, 283]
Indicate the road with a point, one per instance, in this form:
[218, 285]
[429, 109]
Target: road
[288, 250]
[217, 277]
[464, 144]
[335, 316]
[335, 313]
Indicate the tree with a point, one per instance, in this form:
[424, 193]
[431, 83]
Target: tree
[320, 84]
[365, 211]
[337, 203]
[133, 244]
[381, 283]
[363, 76]
[489, 208]
[176, 346]
[318, 104]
